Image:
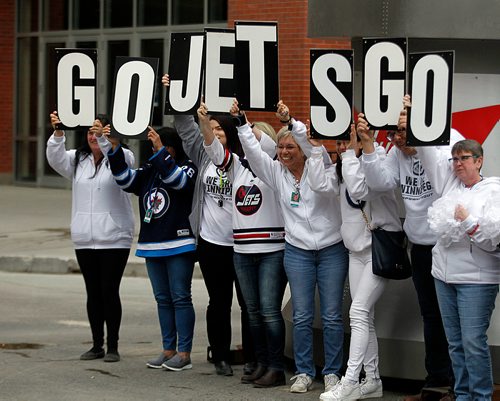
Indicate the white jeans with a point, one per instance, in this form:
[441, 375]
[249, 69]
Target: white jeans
[366, 289]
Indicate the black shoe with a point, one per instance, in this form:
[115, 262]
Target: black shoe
[249, 368]
[112, 356]
[257, 374]
[93, 353]
[223, 368]
[272, 378]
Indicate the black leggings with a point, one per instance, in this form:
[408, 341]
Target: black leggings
[216, 264]
[102, 270]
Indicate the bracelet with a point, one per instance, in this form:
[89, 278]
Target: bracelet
[252, 125]
[287, 121]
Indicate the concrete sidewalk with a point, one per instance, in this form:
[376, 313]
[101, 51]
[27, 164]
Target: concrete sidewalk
[35, 232]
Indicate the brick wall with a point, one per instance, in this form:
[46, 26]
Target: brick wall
[7, 27]
[294, 46]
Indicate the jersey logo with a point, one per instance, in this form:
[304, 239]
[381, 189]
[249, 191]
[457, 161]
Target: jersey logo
[248, 200]
[158, 200]
[418, 169]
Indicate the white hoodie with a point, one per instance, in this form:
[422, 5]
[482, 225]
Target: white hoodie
[460, 258]
[314, 223]
[101, 215]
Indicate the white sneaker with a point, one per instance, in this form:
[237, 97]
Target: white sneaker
[371, 388]
[343, 391]
[302, 383]
[331, 381]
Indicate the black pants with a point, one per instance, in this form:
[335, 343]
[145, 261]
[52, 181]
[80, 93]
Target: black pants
[437, 359]
[102, 270]
[216, 264]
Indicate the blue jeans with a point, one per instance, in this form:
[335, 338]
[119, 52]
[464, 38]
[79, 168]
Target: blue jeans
[466, 310]
[171, 278]
[325, 269]
[437, 359]
[262, 281]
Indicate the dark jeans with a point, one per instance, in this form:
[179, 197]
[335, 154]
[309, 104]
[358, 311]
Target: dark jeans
[102, 270]
[263, 280]
[217, 267]
[437, 359]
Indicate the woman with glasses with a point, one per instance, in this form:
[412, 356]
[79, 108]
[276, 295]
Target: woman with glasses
[315, 256]
[465, 260]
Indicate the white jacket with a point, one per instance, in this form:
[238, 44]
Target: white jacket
[466, 259]
[407, 172]
[101, 215]
[315, 223]
[257, 221]
[381, 208]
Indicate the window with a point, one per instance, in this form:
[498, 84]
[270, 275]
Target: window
[55, 15]
[27, 13]
[187, 12]
[117, 13]
[152, 12]
[86, 14]
[217, 10]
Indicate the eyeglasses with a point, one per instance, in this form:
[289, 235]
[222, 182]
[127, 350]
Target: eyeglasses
[461, 159]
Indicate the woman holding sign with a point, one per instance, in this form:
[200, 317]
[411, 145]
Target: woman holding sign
[211, 219]
[102, 230]
[363, 210]
[164, 187]
[315, 256]
[259, 240]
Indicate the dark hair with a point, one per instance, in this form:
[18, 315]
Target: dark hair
[84, 151]
[468, 145]
[229, 127]
[170, 137]
[338, 168]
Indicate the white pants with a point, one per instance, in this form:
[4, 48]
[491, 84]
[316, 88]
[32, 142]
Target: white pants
[366, 289]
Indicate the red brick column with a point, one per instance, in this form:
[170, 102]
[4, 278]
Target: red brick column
[7, 40]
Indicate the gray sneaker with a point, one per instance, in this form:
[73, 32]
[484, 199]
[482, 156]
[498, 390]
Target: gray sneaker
[177, 363]
[158, 362]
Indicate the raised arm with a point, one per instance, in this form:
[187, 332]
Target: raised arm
[177, 177]
[302, 135]
[189, 132]
[380, 174]
[261, 163]
[58, 157]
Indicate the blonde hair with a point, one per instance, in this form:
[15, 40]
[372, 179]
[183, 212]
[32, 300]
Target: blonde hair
[283, 133]
[266, 129]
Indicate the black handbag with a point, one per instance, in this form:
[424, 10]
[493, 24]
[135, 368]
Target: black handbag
[389, 254]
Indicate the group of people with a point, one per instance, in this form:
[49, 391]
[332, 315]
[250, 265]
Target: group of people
[259, 209]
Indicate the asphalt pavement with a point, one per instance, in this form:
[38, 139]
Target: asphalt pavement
[44, 328]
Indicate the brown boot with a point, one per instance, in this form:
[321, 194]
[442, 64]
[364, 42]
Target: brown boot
[416, 397]
[257, 374]
[272, 378]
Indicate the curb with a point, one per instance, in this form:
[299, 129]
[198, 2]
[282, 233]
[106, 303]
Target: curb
[48, 265]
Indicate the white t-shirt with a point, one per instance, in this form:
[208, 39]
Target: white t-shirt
[216, 216]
